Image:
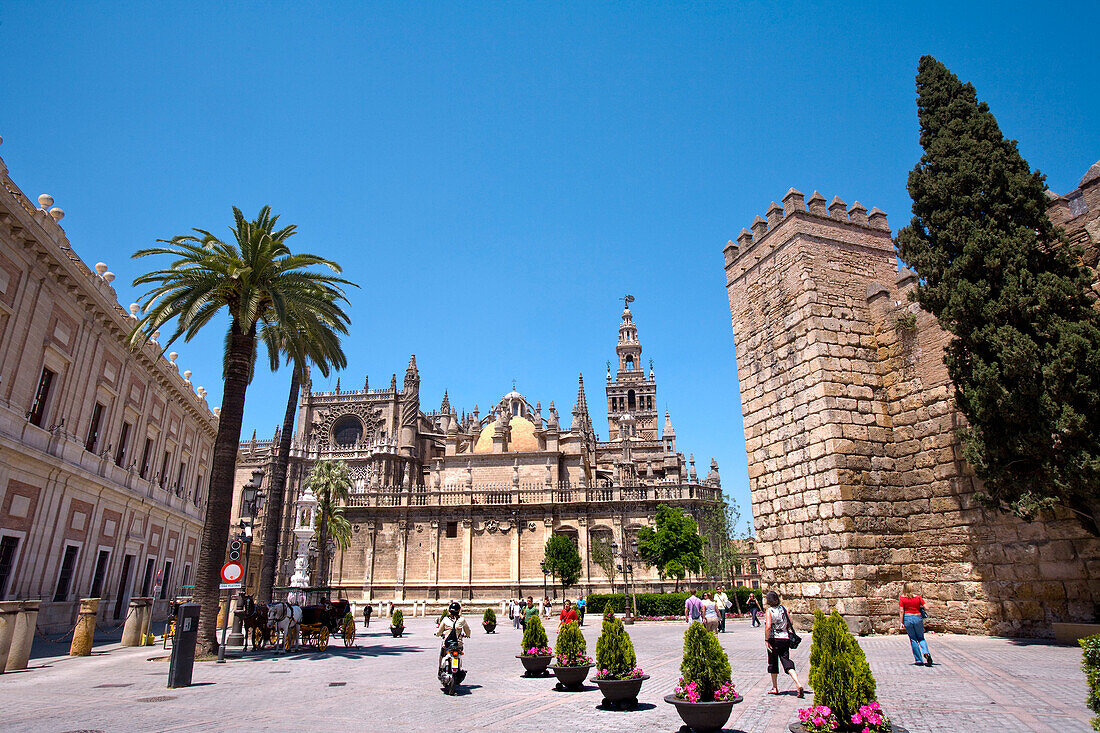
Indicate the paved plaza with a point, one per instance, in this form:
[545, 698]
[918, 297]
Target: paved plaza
[978, 684]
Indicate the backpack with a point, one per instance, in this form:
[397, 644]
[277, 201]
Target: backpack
[696, 611]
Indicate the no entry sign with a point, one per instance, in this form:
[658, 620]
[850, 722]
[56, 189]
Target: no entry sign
[232, 572]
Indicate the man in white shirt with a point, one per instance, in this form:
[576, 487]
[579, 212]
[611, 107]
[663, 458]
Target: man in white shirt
[722, 601]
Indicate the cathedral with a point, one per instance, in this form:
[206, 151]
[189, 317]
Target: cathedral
[448, 504]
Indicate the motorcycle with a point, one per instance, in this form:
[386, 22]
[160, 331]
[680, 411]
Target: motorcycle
[451, 673]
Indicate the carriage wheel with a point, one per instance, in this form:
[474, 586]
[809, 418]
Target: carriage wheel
[258, 637]
[322, 639]
[349, 632]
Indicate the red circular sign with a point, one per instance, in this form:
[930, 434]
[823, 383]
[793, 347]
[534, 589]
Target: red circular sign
[232, 572]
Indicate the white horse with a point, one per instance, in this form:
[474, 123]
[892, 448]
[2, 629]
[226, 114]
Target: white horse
[283, 618]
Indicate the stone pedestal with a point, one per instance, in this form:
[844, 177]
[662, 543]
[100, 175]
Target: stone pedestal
[84, 633]
[8, 612]
[25, 622]
[236, 636]
[135, 616]
[146, 619]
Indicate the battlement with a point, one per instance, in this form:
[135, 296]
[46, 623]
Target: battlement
[796, 210]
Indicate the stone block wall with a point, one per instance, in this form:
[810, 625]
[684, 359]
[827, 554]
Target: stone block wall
[855, 472]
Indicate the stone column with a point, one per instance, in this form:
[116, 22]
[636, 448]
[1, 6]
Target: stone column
[146, 619]
[468, 556]
[8, 612]
[402, 548]
[84, 633]
[236, 635]
[25, 622]
[131, 632]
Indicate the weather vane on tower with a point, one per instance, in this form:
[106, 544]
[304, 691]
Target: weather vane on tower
[627, 300]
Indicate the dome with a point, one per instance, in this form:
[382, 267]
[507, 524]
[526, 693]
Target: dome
[523, 436]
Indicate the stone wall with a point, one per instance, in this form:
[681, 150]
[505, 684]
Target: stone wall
[855, 473]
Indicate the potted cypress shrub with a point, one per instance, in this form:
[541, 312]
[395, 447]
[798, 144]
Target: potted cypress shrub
[619, 677]
[489, 621]
[844, 688]
[705, 696]
[536, 652]
[397, 624]
[573, 663]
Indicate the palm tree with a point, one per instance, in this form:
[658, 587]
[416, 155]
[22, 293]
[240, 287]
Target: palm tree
[300, 348]
[257, 280]
[330, 483]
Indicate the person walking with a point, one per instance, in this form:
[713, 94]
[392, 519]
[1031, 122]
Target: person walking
[568, 614]
[754, 609]
[367, 611]
[693, 608]
[912, 620]
[710, 611]
[582, 606]
[516, 614]
[530, 611]
[777, 639]
[723, 602]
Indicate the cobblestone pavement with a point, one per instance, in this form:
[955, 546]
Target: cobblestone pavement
[978, 684]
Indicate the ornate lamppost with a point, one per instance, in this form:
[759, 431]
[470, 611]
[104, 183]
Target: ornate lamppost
[627, 569]
[252, 502]
[305, 514]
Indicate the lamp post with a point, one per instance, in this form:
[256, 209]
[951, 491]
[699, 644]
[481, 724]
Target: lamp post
[252, 501]
[543, 566]
[627, 569]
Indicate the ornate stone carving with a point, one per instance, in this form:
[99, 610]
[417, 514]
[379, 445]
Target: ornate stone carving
[322, 420]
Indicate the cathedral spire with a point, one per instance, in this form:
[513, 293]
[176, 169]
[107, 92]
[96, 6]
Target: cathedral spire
[445, 408]
[580, 409]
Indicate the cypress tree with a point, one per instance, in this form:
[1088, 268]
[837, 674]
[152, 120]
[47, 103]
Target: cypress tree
[1010, 288]
[614, 650]
[839, 673]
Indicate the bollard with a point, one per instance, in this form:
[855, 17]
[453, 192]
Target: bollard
[146, 620]
[84, 633]
[25, 623]
[182, 662]
[8, 612]
[131, 633]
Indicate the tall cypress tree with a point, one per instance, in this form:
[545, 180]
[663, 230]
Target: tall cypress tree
[1000, 277]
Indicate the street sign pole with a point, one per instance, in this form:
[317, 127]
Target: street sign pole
[225, 624]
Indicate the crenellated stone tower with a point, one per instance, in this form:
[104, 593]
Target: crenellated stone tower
[855, 473]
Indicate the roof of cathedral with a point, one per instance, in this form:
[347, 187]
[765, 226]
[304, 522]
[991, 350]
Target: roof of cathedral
[523, 436]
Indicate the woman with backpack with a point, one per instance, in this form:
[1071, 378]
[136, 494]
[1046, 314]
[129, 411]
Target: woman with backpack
[779, 634]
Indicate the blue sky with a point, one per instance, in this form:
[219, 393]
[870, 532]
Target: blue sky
[495, 176]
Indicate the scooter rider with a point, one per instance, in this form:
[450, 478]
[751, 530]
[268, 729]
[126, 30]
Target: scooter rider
[453, 620]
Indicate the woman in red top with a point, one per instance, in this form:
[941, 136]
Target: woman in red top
[568, 615]
[913, 623]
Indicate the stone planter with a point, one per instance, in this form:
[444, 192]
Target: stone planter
[571, 678]
[397, 631]
[535, 666]
[489, 626]
[797, 728]
[621, 693]
[703, 717]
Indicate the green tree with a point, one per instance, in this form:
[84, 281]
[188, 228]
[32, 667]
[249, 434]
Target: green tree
[300, 348]
[330, 482]
[257, 280]
[839, 673]
[562, 560]
[534, 635]
[614, 650]
[674, 546]
[722, 546]
[599, 549]
[1005, 282]
[705, 662]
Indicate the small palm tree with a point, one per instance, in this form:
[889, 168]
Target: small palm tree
[300, 349]
[330, 483]
[257, 279]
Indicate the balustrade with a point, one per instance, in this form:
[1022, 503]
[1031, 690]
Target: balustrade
[505, 494]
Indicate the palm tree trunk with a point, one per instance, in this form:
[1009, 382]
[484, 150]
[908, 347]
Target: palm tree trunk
[276, 495]
[240, 353]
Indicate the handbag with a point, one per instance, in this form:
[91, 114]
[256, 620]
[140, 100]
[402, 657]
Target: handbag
[792, 635]
[923, 613]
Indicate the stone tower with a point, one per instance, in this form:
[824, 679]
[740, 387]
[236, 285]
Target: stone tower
[855, 471]
[631, 396]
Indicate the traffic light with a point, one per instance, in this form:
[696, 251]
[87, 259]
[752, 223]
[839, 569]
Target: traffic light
[235, 549]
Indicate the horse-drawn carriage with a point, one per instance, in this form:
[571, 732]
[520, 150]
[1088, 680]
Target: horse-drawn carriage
[312, 624]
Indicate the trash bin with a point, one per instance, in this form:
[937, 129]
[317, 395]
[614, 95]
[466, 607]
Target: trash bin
[183, 645]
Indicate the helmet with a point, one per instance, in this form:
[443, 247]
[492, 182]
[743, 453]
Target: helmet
[454, 609]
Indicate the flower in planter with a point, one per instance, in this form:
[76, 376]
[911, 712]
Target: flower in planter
[538, 651]
[870, 716]
[706, 666]
[615, 652]
[818, 719]
[726, 692]
[687, 691]
[534, 637]
[572, 647]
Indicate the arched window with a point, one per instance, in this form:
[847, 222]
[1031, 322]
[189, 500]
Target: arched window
[630, 363]
[630, 401]
[347, 430]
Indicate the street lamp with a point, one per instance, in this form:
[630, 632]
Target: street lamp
[252, 501]
[542, 564]
[627, 569]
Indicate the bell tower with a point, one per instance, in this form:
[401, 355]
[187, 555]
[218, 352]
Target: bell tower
[631, 393]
